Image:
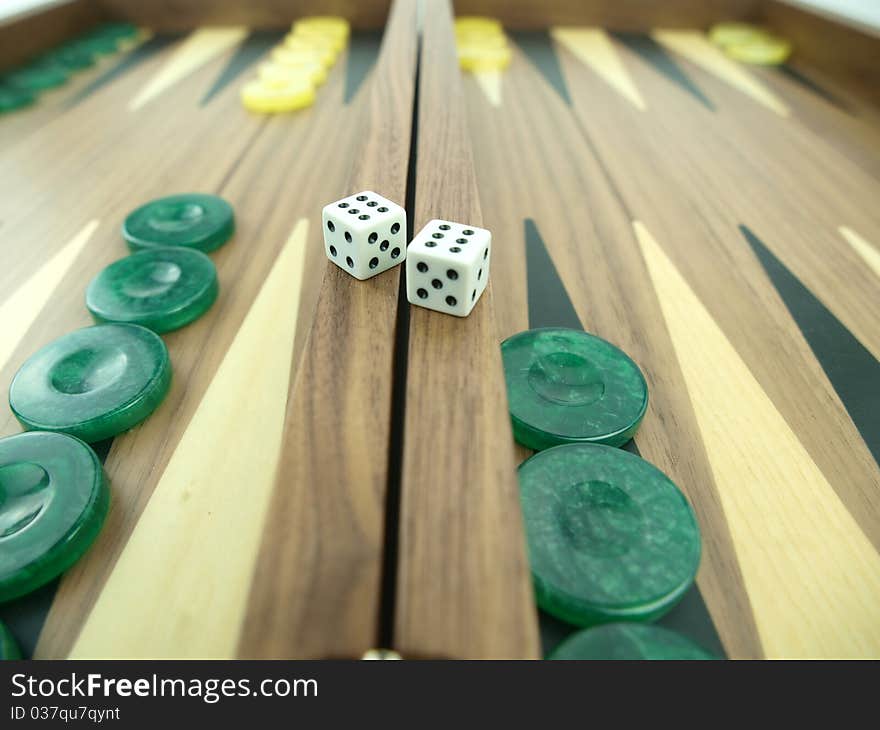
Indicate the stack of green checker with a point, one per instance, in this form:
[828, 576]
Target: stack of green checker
[97, 382]
[613, 544]
[20, 87]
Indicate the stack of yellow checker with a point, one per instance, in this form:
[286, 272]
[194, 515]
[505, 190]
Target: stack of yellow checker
[481, 44]
[298, 66]
[750, 44]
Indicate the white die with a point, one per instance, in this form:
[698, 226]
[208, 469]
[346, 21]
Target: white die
[447, 267]
[364, 234]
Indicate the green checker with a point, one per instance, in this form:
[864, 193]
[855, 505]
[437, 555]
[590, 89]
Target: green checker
[99, 44]
[37, 76]
[159, 288]
[192, 220]
[53, 500]
[568, 386]
[117, 30]
[71, 57]
[627, 641]
[92, 383]
[610, 537]
[8, 647]
[12, 98]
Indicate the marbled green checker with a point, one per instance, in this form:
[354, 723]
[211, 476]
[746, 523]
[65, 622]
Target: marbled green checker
[159, 288]
[8, 647]
[627, 641]
[192, 220]
[117, 30]
[568, 386]
[12, 98]
[71, 57]
[99, 43]
[54, 497]
[92, 383]
[610, 537]
[37, 76]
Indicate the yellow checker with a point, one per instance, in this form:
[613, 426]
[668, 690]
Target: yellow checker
[272, 72]
[482, 41]
[767, 51]
[725, 34]
[473, 58]
[308, 38]
[258, 96]
[322, 50]
[289, 56]
[336, 41]
[476, 22]
[327, 23]
[477, 33]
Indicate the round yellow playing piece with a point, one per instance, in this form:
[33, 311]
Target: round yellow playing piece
[475, 58]
[335, 40]
[330, 24]
[724, 34]
[322, 50]
[476, 34]
[476, 22]
[312, 40]
[258, 96]
[482, 41]
[274, 72]
[766, 51]
[291, 56]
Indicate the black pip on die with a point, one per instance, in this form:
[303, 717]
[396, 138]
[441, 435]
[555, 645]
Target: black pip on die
[364, 234]
[447, 267]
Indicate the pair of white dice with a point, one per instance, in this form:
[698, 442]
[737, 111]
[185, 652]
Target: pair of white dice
[447, 263]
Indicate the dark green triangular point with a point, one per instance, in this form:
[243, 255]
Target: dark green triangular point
[808, 83]
[126, 63]
[656, 55]
[691, 618]
[363, 50]
[549, 305]
[852, 369]
[631, 447]
[539, 49]
[25, 616]
[255, 46]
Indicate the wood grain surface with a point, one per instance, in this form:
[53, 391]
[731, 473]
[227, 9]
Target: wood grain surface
[176, 15]
[316, 588]
[268, 198]
[23, 36]
[464, 588]
[844, 48]
[570, 167]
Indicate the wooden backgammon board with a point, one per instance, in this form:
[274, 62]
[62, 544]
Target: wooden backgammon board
[321, 466]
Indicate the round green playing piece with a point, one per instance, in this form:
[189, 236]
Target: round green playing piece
[71, 57]
[628, 641]
[12, 98]
[53, 500]
[159, 288]
[568, 386]
[117, 30]
[610, 537]
[92, 383]
[8, 647]
[99, 43]
[192, 220]
[37, 76]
